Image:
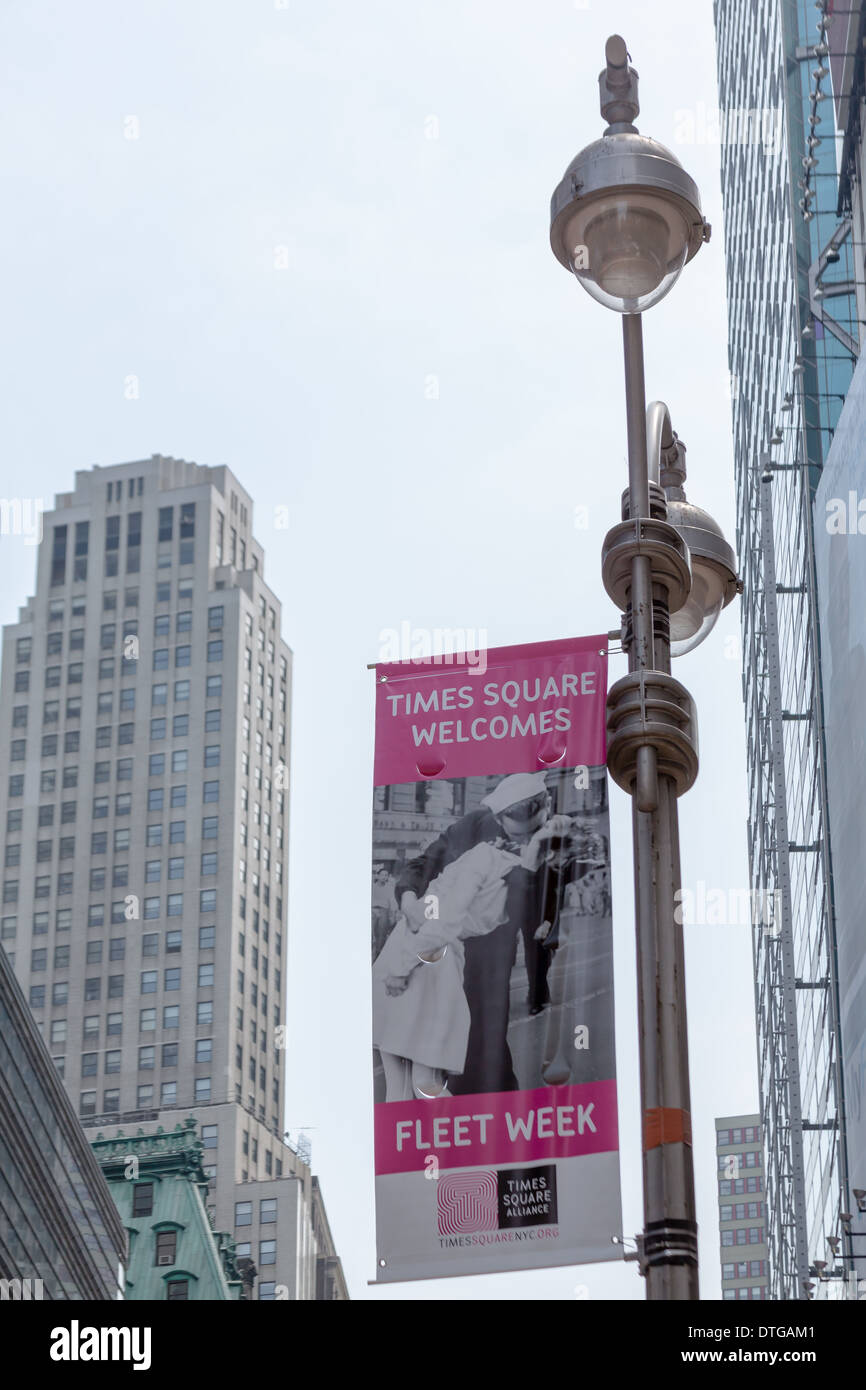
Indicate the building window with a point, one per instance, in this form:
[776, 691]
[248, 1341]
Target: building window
[171, 1016]
[267, 1252]
[148, 981]
[204, 1011]
[133, 542]
[58, 556]
[267, 1208]
[206, 938]
[203, 1051]
[168, 1093]
[177, 1290]
[243, 1213]
[166, 1248]
[142, 1199]
[172, 978]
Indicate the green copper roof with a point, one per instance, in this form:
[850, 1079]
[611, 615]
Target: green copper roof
[172, 1163]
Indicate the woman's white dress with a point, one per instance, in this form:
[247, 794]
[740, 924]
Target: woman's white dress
[429, 1021]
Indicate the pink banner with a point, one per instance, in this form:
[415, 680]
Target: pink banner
[518, 709]
[502, 1127]
[494, 1069]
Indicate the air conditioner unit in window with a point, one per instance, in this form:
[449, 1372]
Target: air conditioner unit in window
[165, 1260]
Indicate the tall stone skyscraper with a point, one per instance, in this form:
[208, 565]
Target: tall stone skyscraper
[144, 702]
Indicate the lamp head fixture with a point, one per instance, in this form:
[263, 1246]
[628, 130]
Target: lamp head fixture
[626, 216]
[713, 563]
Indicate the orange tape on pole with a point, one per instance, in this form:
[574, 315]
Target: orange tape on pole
[665, 1125]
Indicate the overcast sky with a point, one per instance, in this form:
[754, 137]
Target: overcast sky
[317, 235]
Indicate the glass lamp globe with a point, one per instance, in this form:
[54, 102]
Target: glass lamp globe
[697, 618]
[714, 576]
[628, 250]
[625, 219]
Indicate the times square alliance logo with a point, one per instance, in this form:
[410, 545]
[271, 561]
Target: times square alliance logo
[496, 1200]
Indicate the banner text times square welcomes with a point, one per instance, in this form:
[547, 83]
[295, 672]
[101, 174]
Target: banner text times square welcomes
[514, 695]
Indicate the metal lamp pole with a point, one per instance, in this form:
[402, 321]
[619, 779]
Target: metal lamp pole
[625, 219]
[669, 1249]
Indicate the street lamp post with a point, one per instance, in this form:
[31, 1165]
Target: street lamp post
[625, 219]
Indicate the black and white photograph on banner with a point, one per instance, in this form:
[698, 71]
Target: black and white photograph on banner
[491, 935]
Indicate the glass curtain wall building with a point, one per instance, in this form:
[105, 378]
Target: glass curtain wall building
[792, 345]
[840, 552]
